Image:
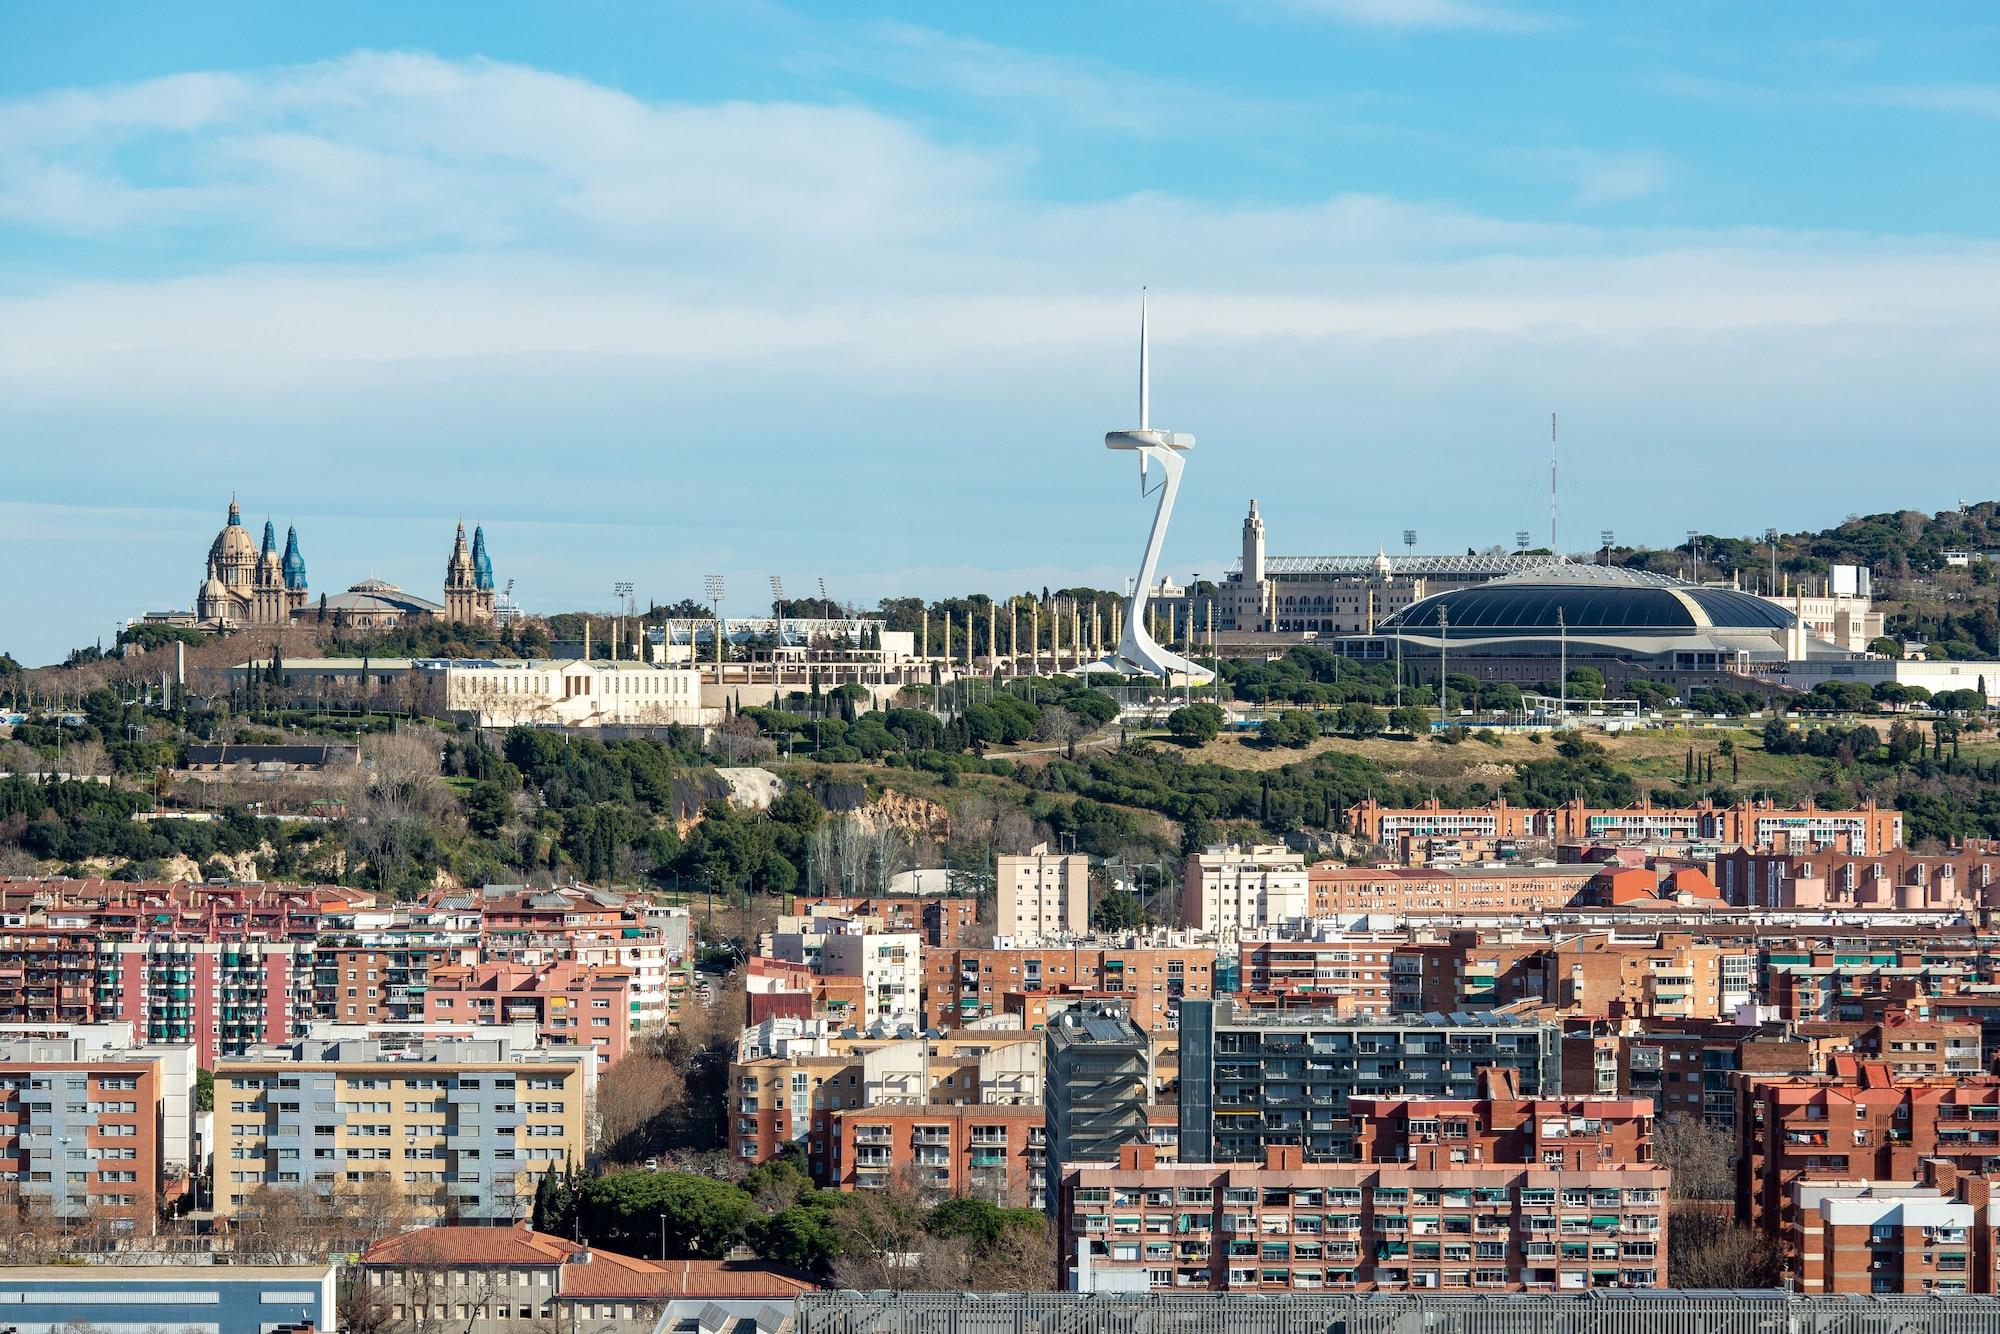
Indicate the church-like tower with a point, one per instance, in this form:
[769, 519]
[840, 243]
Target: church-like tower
[249, 585]
[468, 581]
[1253, 546]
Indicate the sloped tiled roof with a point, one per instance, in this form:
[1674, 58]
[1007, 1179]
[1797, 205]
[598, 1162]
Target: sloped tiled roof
[602, 1274]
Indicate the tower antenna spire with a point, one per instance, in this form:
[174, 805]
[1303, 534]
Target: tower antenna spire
[1145, 367]
[1554, 550]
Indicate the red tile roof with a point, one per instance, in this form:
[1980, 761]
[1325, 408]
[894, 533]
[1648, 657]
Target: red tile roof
[603, 1274]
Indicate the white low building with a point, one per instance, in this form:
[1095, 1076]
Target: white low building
[1934, 676]
[500, 692]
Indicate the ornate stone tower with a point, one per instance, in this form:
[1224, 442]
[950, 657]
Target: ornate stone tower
[294, 567]
[1253, 546]
[468, 581]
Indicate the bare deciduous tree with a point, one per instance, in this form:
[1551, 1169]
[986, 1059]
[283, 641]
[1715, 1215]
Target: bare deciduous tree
[1703, 1161]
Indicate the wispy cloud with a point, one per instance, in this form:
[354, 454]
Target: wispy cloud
[1068, 92]
[1967, 99]
[1971, 99]
[1593, 178]
[1410, 15]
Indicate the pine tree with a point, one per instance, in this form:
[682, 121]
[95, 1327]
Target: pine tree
[544, 1219]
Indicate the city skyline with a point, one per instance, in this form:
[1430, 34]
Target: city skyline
[380, 271]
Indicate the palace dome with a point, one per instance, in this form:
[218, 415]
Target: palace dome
[233, 544]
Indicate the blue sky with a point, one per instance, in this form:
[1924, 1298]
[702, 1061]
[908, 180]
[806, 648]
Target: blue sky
[843, 292]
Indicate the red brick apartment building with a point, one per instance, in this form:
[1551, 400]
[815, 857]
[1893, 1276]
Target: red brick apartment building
[941, 921]
[1858, 1122]
[1495, 891]
[1890, 879]
[567, 1003]
[1865, 831]
[1350, 975]
[964, 984]
[1570, 1133]
[1282, 1226]
[990, 1152]
[1878, 1238]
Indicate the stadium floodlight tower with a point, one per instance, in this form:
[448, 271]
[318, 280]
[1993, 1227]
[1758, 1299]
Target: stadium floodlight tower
[1138, 653]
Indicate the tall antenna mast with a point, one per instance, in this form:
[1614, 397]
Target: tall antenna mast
[1554, 550]
[1145, 370]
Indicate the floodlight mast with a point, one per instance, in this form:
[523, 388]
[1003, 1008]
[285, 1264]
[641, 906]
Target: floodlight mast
[1138, 653]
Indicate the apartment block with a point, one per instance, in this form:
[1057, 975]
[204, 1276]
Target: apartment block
[870, 978]
[1250, 1080]
[788, 1077]
[1857, 1122]
[569, 1003]
[1884, 1237]
[1150, 981]
[989, 1152]
[462, 1126]
[1447, 892]
[1753, 824]
[1500, 1126]
[386, 977]
[93, 1127]
[1350, 973]
[1688, 1068]
[1226, 891]
[941, 919]
[1283, 1225]
[1891, 878]
[1099, 1083]
[1042, 895]
[1668, 975]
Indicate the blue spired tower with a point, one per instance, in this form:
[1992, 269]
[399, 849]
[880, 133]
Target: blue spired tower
[482, 564]
[1138, 653]
[295, 562]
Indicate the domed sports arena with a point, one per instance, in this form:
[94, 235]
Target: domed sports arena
[1623, 622]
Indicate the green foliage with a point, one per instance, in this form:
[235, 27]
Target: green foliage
[1297, 728]
[1359, 719]
[1195, 724]
[980, 1222]
[1118, 911]
[1410, 719]
[204, 1090]
[1585, 683]
[693, 1216]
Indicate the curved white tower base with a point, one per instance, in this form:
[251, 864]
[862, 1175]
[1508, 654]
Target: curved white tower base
[1138, 653]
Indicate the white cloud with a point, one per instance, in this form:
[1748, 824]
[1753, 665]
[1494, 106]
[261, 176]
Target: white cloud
[820, 339]
[1971, 99]
[1422, 14]
[1073, 95]
[1594, 178]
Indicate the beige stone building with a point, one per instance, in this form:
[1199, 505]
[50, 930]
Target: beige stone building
[1042, 895]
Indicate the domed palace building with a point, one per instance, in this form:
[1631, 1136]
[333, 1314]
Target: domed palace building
[248, 583]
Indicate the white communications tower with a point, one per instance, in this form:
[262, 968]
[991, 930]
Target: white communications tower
[1138, 653]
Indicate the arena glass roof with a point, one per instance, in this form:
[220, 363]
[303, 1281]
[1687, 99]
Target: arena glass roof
[1584, 598]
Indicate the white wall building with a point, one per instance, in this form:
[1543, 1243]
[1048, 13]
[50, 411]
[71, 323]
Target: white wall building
[1839, 608]
[1042, 895]
[1227, 891]
[890, 966]
[573, 693]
